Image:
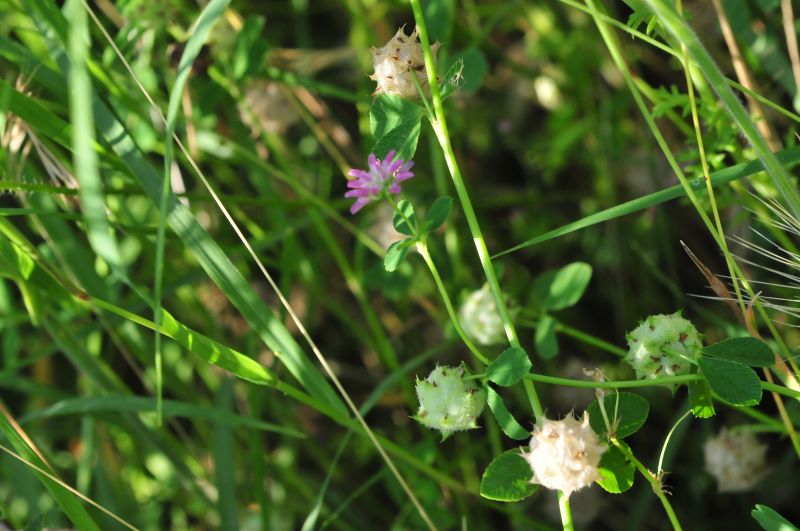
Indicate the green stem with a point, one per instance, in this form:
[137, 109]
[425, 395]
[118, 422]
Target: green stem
[566, 512]
[781, 390]
[654, 481]
[422, 248]
[669, 436]
[707, 174]
[590, 340]
[624, 384]
[442, 134]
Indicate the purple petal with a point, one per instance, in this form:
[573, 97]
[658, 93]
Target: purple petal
[358, 193]
[358, 174]
[374, 164]
[387, 163]
[360, 203]
[395, 188]
[359, 184]
[393, 167]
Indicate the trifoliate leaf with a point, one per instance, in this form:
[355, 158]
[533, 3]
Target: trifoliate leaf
[401, 221]
[395, 123]
[545, 338]
[747, 350]
[438, 213]
[504, 418]
[509, 367]
[770, 520]
[508, 478]
[627, 412]
[616, 472]
[732, 382]
[556, 290]
[700, 399]
[395, 254]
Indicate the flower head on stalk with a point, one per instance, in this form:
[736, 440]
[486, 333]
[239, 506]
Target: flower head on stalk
[382, 177]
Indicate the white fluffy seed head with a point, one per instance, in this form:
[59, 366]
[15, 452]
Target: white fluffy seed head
[565, 454]
[737, 460]
[663, 345]
[480, 319]
[398, 62]
[449, 403]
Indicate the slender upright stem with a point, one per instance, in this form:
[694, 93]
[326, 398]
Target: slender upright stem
[440, 128]
[422, 248]
[566, 512]
[654, 481]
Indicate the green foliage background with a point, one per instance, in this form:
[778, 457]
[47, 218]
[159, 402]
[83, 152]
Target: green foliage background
[271, 103]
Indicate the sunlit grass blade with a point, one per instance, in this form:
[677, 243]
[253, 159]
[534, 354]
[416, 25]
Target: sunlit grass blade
[212, 351]
[85, 159]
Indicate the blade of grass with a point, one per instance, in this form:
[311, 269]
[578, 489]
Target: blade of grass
[223, 448]
[199, 33]
[718, 178]
[30, 455]
[116, 403]
[86, 171]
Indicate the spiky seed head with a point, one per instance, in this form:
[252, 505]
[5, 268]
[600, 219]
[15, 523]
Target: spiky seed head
[398, 62]
[447, 402]
[565, 454]
[663, 345]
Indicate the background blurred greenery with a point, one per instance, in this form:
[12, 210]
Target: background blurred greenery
[275, 111]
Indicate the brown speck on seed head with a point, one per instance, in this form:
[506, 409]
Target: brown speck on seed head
[682, 337]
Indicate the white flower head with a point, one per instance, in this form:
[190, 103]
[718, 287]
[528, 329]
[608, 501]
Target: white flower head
[398, 62]
[447, 402]
[565, 454]
[663, 345]
[480, 318]
[736, 459]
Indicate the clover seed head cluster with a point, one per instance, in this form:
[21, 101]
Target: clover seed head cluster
[736, 459]
[398, 62]
[447, 402]
[565, 454]
[480, 318]
[663, 345]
